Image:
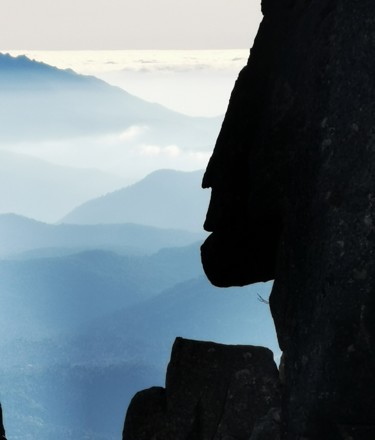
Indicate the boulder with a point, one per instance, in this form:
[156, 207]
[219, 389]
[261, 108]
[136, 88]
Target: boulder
[213, 392]
[146, 414]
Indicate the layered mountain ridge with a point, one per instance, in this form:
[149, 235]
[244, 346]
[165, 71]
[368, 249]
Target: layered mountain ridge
[164, 198]
[45, 102]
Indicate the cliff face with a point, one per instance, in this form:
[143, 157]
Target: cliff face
[293, 198]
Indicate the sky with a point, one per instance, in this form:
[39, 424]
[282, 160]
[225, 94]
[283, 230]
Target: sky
[125, 24]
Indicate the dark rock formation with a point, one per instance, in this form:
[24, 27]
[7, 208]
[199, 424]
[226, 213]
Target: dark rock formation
[293, 198]
[2, 430]
[146, 415]
[213, 392]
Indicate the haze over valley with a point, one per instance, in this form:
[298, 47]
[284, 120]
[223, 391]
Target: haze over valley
[67, 138]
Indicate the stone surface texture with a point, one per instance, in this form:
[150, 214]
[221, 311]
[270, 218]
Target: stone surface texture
[213, 392]
[293, 198]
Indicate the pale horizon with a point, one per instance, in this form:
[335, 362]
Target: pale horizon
[192, 82]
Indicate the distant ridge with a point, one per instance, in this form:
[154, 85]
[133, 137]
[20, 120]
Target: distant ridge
[20, 235]
[42, 102]
[38, 189]
[13, 69]
[164, 199]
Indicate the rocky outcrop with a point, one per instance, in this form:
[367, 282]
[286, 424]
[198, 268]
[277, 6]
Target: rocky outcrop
[293, 198]
[213, 392]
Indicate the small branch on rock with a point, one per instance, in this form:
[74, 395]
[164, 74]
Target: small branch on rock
[261, 299]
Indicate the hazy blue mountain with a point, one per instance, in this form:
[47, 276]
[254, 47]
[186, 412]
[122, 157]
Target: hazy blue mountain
[42, 190]
[82, 121]
[165, 199]
[23, 235]
[193, 309]
[89, 311]
[96, 370]
[144, 333]
[52, 295]
[70, 402]
[40, 102]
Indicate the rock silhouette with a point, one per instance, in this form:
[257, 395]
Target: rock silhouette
[2, 429]
[213, 391]
[293, 178]
[293, 199]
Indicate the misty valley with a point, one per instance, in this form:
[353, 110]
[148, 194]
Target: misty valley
[101, 214]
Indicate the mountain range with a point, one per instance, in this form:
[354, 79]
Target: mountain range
[93, 325]
[67, 138]
[38, 189]
[58, 294]
[91, 305]
[22, 237]
[42, 102]
[71, 344]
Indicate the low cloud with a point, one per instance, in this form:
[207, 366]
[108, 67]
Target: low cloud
[122, 154]
[132, 132]
[155, 150]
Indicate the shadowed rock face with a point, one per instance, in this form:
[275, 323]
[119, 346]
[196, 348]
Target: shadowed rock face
[293, 198]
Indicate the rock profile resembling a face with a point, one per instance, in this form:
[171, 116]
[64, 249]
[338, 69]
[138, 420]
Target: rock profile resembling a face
[293, 199]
